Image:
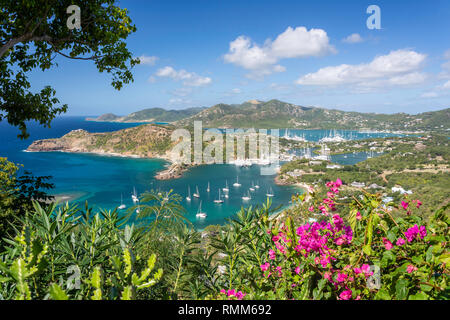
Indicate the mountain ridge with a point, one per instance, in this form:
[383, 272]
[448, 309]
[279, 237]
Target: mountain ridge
[278, 114]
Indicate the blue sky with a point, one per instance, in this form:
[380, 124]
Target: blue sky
[204, 52]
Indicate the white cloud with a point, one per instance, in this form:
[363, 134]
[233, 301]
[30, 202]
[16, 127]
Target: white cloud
[394, 69]
[439, 91]
[189, 78]
[301, 43]
[431, 94]
[447, 54]
[353, 38]
[148, 60]
[292, 43]
[236, 90]
[180, 102]
[446, 86]
[182, 92]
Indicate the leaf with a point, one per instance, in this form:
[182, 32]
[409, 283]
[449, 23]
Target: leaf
[445, 258]
[97, 295]
[419, 296]
[401, 289]
[383, 294]
[388, 257]
[96, 278]
[126, 293]
[367, 250]
[57, 293]
[151, 262]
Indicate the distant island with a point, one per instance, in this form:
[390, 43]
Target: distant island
[279, 114]
[149, 115]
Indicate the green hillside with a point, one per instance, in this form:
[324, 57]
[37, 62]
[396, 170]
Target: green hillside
[150, 115]
[278, 114]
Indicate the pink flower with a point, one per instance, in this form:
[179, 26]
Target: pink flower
[231, 292]
[410, 268]
[418, 203]
[297, 270]
[338, 183]
[271, 254]
[400, 242]
[311, 209]
[366, 269]
[405, 205]
[422, 232]
[265, 266]
[240, 295]
[346, 295]
[341, 277]
[411, 233]
[387, 244]
[223, 291]
[280, 273]
[358, 216]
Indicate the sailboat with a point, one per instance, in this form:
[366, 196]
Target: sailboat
[226, 187]
[237, 184]
[252, 188]
[219, 200]
[196, 194]
[246, 197]
[134, 196]
[270, 192]
[208, 189]
[200, 214]
[256, 185]
[188, 198]
[138, 210]
[122, 206]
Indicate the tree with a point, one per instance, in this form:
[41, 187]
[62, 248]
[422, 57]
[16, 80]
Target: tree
[17, 194]
[34, 32]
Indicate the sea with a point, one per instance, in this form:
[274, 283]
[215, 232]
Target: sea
[109, 181]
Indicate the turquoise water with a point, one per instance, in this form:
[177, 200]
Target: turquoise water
[102, 180]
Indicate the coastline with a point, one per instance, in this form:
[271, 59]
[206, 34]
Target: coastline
[300, 185]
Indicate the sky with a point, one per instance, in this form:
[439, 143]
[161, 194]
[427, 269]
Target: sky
[198, 53]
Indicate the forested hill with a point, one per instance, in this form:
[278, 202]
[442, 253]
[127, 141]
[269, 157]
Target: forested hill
[150, 115]
[278, 114]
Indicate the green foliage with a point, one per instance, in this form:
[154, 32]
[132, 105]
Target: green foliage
[17, 194]
[33, 32]
[114, 259]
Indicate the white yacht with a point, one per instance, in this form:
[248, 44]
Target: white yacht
[219, 200]
[134, 196]
[270, 192]
[200, 214]
[237, 184]
[226, 187]
[208, 189]
[246, 197]
[197, 193]
[188, 198]
[122, 206]
[252, 188]
[256, 185]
